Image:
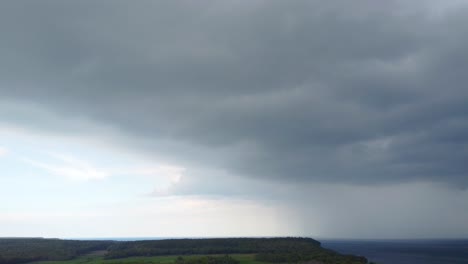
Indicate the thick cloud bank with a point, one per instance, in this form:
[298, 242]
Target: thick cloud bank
[360, 92]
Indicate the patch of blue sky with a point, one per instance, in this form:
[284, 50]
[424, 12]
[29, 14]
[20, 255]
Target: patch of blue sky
[47, 173]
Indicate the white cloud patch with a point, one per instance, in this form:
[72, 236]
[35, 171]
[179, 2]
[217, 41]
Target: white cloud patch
[71, 168]
[167, 176]
[172, 173]
[3, 151]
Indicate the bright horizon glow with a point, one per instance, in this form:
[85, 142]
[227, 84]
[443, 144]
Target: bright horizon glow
[77, 186]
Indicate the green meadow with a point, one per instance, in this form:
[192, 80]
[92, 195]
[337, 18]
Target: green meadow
[242, 258]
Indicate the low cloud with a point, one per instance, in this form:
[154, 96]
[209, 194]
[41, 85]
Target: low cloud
[71, 168]
[269, 90]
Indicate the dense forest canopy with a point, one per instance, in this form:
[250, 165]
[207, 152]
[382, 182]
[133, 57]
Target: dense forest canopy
[21, 250]
[266, 250]
[211, 246]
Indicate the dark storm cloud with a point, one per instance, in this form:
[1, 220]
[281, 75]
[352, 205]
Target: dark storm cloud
[361, 92]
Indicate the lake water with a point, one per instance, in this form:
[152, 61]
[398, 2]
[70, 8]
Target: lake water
[404, 251]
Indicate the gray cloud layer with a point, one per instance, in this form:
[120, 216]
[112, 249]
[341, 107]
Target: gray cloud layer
[305, 91]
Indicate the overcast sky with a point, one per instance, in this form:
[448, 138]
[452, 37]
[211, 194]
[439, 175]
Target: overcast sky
[329, 119]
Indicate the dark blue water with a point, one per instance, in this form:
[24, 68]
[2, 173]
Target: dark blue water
[404, 251]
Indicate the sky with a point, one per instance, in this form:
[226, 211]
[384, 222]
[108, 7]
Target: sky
[326, 119]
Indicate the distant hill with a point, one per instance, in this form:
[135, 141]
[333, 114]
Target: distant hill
[22, 250]
[265, 250]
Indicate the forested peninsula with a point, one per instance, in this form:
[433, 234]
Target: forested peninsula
[172, 251]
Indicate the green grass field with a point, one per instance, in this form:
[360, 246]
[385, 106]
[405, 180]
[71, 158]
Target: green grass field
[93, 259]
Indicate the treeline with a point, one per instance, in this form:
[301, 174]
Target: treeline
[272, 250]
[320, 255]
[22, 250]
[211, 246]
